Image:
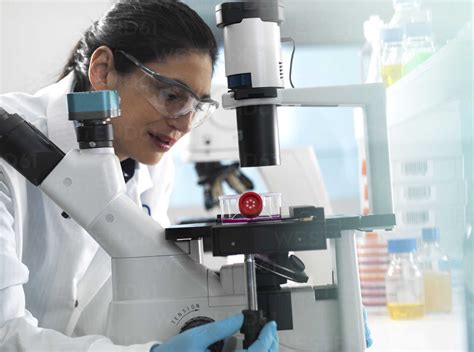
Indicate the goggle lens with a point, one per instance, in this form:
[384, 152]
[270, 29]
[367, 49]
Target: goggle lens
[173, 101]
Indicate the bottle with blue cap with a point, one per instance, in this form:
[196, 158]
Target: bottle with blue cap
[392, 55]
[436, 274]
[404, 281]
[418, 45]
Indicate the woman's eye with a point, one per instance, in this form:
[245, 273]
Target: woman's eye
[168, 95]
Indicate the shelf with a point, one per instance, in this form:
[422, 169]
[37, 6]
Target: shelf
[445, 77]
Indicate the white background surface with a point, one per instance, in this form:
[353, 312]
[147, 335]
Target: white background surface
[36, 38]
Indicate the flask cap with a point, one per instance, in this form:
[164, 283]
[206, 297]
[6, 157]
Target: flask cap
[430, 234]
[391, 35]
[405, 245]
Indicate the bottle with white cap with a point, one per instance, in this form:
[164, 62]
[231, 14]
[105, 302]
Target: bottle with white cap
[404, 281]
[436, 274]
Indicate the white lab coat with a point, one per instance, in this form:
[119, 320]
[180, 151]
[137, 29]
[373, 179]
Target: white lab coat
[54, 279]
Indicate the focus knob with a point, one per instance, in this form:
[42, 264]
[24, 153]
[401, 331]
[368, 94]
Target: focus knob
[296, 263]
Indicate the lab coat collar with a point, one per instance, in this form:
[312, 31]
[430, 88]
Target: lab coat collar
[61, 131]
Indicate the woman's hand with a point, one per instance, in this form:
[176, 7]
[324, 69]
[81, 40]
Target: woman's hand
[368, 337]
[200, 338]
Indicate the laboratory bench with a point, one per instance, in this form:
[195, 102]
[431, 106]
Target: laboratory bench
[434, 332]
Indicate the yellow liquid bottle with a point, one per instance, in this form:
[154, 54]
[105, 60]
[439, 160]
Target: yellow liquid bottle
[391, 55]
[436, 275]
[391, 74]
[404, 281]
[401, 311]
[438, 294]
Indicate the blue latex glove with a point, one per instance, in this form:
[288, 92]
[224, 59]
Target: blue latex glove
[198, 339]
[368, 337]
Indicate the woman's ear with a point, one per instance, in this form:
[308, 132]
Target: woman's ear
[102, 73]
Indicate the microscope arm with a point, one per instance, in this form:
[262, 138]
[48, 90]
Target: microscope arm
[371, 98]
[88, 185]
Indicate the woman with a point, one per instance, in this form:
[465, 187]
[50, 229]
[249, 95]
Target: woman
[54, 279]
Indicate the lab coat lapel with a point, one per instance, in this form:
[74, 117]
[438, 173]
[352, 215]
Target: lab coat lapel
[60, 129]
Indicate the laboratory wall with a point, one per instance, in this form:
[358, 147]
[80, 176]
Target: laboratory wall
[36, 38]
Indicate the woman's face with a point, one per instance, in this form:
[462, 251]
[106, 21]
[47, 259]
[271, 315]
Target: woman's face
[142, 132]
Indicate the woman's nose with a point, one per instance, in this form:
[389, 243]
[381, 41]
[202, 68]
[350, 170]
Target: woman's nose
[182, 123]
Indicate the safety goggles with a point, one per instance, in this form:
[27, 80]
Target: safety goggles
[171, 98]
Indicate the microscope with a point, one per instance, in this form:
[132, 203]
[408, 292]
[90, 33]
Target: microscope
[160, 287]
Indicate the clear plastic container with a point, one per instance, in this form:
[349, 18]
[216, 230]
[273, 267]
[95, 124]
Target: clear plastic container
[404, 281]
[392, 55]
[418, 45]
[436, 274]
[372, 258]
[231, 207]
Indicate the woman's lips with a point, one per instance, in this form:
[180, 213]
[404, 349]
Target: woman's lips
[161, 142]
[165, 138]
